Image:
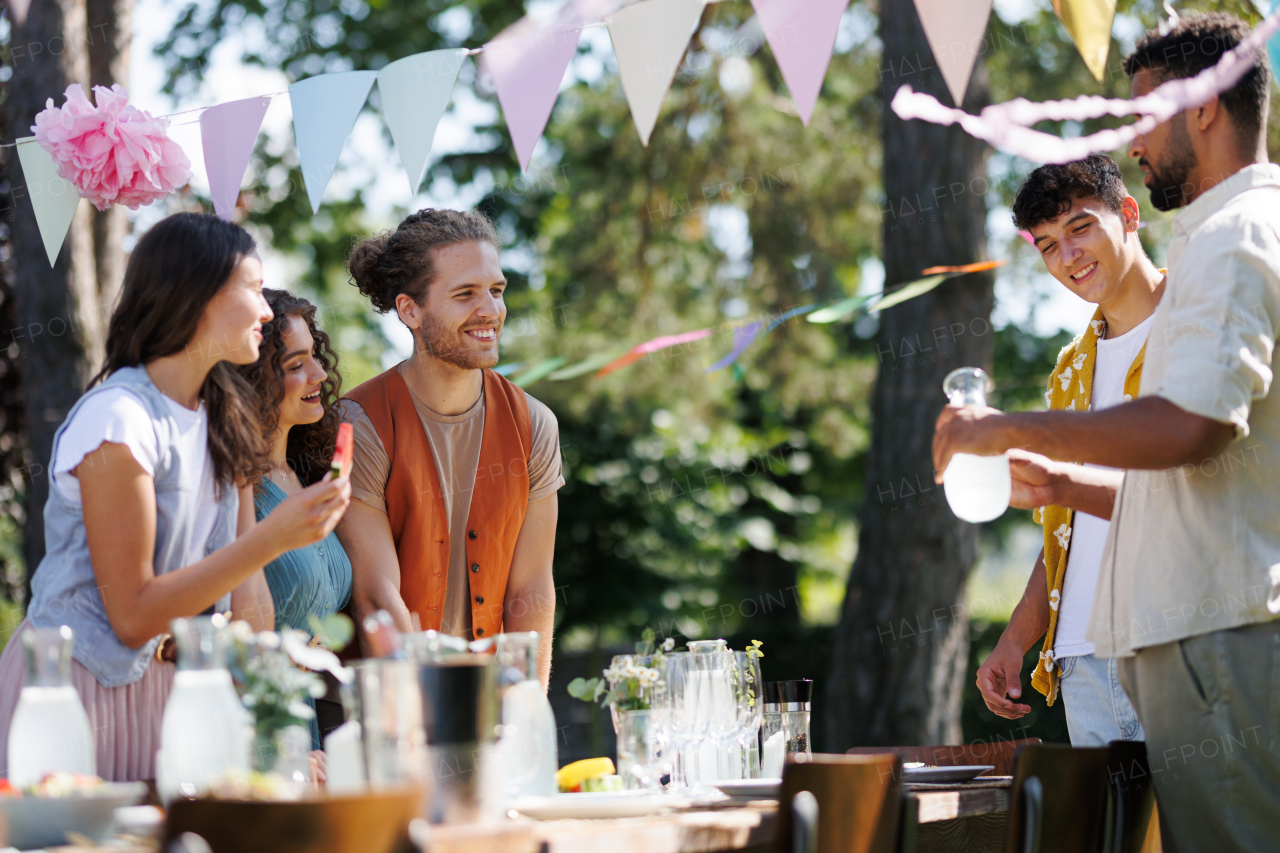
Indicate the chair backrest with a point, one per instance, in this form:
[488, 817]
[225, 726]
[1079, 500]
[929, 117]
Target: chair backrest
[859, 802]
[998, 752]
[1132, 814]
[1059, 801]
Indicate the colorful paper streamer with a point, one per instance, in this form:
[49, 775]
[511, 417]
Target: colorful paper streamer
[53, 198]
[802, 35]
[1008, 126]
[955, 30]
[527, 71]
[639, 351]
[1089, 24]
[415, 92]
[743, 336]
[540, 370]
[325, 108]
[227, 135]
[649, 41]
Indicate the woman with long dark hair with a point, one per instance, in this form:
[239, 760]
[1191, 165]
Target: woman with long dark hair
[145, 520]
[297, 387]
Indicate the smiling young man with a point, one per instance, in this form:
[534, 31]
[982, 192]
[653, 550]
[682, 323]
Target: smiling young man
[1085, 225]
[1188, 594]
[456, 469]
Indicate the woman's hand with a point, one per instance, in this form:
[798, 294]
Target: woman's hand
[307, 516]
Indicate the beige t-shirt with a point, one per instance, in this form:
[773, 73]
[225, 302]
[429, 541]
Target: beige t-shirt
[455, 445]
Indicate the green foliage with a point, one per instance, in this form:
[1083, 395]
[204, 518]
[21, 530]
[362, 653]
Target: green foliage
[333, 632]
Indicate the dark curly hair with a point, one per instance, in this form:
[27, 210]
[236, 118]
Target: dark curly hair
[1048, 192]
[310, 446]
[1197, 42]
[402, 261]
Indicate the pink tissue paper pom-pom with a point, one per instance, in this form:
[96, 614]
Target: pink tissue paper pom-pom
[113, 153]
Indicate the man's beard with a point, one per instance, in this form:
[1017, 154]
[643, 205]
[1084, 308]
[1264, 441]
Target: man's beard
[436, 340]
[1169, 183]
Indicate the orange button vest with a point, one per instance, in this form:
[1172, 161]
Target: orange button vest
[416, 510]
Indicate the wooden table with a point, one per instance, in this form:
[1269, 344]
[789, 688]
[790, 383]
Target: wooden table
[966, 818]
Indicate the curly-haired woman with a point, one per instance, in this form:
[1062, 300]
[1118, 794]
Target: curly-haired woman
[297, 383]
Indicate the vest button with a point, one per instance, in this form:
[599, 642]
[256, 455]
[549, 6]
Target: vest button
[475, 567]
[479, 599]
[471, 534]
[479, 632]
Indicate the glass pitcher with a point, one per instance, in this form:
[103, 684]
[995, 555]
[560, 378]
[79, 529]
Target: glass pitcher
[529, 724]
[50, 730]
[206, 733]
[977, 487]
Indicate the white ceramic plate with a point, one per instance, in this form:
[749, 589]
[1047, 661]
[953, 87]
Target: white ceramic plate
[36, 822]
[600, 804]
[962, 773]
[765, 789]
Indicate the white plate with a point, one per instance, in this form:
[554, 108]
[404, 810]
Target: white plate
[960, 773]
[766, 789]
[36, 822]
[597, 804]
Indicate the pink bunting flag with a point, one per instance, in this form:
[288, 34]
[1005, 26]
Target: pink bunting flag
[955, 30]
[18, 11]
[801, 34]
[527, 69]
[228, 133]
[639, 351]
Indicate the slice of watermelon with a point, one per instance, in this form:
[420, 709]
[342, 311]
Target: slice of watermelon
[342, 452]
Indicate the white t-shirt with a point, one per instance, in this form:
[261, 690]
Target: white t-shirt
[117, 416]
[1089, 533]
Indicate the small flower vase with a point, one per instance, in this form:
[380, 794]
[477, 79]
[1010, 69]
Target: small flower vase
[637, 747]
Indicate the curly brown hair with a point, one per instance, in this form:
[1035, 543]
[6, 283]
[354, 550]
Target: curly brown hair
[402, 261]
[310, 446]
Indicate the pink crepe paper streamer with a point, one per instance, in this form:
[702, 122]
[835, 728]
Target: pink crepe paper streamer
[801, 34]
[527, 70]
[639, 351]
[1026, 235]
[1007, 126]
[227, 133]
[112, 153]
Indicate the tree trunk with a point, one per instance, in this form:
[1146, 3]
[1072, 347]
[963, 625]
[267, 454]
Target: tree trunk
[61, 323]
[901, 648]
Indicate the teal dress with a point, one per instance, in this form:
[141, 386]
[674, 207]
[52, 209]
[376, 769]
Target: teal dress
[315, 579]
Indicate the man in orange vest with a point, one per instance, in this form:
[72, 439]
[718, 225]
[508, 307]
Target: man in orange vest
[455, 470]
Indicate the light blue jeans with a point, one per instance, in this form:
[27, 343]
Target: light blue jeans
[1098, 710]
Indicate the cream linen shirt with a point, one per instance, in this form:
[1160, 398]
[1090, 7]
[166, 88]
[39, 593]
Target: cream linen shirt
[1197, 549]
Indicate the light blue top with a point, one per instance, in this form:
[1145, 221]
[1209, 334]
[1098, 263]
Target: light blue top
[315, 579]
[64, 590]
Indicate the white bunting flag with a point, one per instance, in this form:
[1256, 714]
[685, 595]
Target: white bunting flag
[649, 40]
[956, 30]
[53, 197]
[415, 93]
[325, 108]
[227, 135]
[802, 34]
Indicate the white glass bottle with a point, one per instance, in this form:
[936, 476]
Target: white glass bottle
[530, 724]
[977, 487]
[50, 730]
[203, 734]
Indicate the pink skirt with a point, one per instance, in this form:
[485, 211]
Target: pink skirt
[126, 720]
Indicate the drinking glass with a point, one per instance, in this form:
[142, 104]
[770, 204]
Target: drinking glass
[748, 697]
[686, 724]
[709, 682]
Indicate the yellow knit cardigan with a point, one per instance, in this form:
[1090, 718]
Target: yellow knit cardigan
[1070, 389]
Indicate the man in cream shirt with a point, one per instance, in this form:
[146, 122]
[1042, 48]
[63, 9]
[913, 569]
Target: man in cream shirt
[1189, 590]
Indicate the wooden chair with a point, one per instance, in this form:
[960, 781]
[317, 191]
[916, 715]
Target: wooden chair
[1060, 801]
[859, 804]
[374, 823]
[1000, 753]
[1132, 825]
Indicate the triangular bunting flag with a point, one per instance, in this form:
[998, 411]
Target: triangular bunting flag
[415, 93]
[955, 30]
[802, 34]
[325, 108]
[1089, 23]
[527, 71]
[649, 40]
[227, 134]
[53, 197]
[18, 9]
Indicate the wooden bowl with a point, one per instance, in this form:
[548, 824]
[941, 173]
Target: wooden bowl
[370, 823]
